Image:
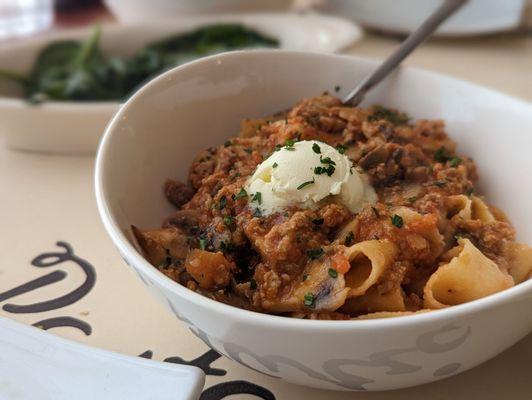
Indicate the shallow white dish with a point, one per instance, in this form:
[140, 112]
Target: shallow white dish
[477, 17]
[158, 131]
[38, 365]
[76, 127]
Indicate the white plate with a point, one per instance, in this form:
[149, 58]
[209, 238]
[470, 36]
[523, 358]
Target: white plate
[477, 17]
[38, 365]
[76, 127]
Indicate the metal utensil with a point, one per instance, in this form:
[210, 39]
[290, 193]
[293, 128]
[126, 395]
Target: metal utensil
[411, 42]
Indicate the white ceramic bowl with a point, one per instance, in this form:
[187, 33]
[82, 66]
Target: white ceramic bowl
[156, 134]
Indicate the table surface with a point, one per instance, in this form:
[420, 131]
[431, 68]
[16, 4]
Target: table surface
[49, 199]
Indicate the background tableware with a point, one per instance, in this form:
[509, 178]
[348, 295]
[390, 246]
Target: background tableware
[422, 33]
[128, 11]
[76, 127]
[38, 365]
[478, 17]
[158, 131]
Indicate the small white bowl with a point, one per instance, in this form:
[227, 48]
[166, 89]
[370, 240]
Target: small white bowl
[76, 127]
[156, 134]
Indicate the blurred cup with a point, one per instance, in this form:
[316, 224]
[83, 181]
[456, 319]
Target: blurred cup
[24, 17]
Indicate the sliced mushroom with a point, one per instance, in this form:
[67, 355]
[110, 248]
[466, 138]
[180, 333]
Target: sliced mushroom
[184, 220]
[159, 244]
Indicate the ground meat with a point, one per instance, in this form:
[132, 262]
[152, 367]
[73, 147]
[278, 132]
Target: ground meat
[249, 258]
[178, 193]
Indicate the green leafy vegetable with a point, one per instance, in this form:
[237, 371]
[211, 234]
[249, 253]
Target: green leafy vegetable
[79, 71]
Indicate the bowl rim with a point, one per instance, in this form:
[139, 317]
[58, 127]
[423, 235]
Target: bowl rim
[251, 317]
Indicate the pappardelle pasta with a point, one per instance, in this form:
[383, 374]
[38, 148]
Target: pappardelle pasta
[333, 212]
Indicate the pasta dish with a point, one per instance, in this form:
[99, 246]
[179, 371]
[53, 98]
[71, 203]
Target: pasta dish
[327, 211]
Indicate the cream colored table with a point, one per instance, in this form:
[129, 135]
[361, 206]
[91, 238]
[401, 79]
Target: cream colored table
[59, 270]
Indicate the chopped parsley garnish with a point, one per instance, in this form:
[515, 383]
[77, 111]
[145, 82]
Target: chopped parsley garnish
[222, 203]
[412, 199]
[305, 184]
[309, 300]
[316, 147]
[333, 273]
[329, 170]
[349, 239]
[248, 150]
[318, 221]
[392, 116]
[229, 221]
[397, 221]
[257, 197]
[327, 160]
[341, 148]
[440, 183]
[228, 143]
[289, 145]
[314, 254]
[455, 161]
[278, 147]
[275, 165]
[257, 213]
[202, 243]
[441, 155]
[241, 194]
[470, 191]
[305, 277]
[253, 284]
[337, 88]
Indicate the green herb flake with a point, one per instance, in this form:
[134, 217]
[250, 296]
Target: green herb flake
[227, 143]
[392, 116]
[305, 184]
[327, 160]
[440, 183]
[257, 197]
[278, 147]
[275, 165]
[253, 284]
[397, 221]
[349, 239]
[441, 155]
[455, 162]
[202, 243]
[470, 191]
[248, 150]
[314, 254]
[316, 148]
[337, 88]
[333, 273]
[304, 278]
[318, 221]
[229, 221]
[257, 213]
[341, 148]
[412, 199]
[309, 300]
[242, 194]
[222, 203]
